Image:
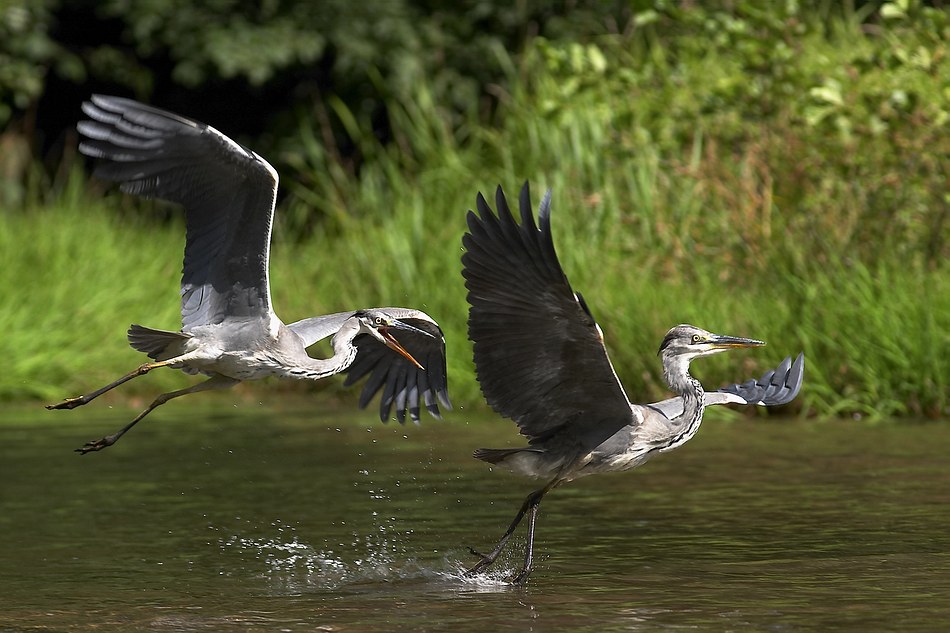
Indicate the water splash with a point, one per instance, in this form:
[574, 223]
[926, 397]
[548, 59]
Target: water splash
[290, 566]
[491, 580]
[295, 567]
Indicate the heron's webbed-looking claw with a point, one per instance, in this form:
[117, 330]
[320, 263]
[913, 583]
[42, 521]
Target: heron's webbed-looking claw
[98, 445]
[68, 403]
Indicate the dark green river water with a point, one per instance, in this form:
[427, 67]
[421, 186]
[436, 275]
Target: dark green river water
[248, 518]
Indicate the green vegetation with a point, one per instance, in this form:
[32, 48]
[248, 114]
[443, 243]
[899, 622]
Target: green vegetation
[781, 176]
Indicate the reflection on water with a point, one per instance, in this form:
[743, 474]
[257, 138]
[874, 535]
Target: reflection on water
[268, 519]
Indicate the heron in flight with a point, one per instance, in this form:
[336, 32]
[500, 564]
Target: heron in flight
[229, 329]
[540, 360]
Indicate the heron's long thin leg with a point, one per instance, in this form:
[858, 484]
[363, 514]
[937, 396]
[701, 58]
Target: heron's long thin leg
[141, 370]
[531, 503]
[487, 559]
[215, 382]
[529, 550]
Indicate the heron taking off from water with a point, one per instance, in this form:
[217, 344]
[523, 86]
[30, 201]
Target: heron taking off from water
[541, 361]
[229, 329]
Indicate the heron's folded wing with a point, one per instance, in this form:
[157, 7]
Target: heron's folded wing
[227, 190]
[776, 387]
[539, 354]
[403, 385]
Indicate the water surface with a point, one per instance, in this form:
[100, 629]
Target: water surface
[244, 518]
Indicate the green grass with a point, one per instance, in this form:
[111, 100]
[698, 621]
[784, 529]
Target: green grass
[873, 338]
[682, 193]
[75, 277]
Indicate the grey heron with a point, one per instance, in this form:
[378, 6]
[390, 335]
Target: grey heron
[540, 360]
[229, 329]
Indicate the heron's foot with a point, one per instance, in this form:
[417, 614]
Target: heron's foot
[98, 445]
[486, 560]
[68, 403]
[521, 578]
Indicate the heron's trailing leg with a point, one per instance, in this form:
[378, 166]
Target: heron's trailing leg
[215, 382]
[530, 504]
[141, 370]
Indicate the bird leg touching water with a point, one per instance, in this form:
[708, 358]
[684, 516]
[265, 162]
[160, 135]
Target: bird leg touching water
[530, 505]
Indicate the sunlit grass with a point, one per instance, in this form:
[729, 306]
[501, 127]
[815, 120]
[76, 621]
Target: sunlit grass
[80, 275]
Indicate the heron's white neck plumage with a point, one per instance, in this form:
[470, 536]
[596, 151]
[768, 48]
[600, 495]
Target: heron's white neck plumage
[344, 353]
[685, 425]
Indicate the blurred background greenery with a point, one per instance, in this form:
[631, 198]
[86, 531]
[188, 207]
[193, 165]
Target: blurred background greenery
[767, 169]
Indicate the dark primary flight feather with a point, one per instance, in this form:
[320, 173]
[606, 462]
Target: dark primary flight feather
[402, 384]
[228, 192]
[539, 355]
[776, 387]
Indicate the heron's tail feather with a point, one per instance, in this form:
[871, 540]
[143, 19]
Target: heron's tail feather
[153, 342]
[494, 455]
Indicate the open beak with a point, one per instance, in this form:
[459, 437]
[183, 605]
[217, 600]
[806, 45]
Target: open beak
[394, 345]
[734, 342]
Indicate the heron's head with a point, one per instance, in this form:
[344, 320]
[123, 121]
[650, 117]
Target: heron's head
[379, 325]
[687, 342]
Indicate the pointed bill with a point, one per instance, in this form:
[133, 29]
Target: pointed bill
[734, 342]
[394, 345]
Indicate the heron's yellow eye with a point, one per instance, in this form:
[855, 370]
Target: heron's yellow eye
[697, 338]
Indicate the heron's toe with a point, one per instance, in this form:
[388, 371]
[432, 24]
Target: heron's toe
[481, 564]
[68, 403]
[96, 445]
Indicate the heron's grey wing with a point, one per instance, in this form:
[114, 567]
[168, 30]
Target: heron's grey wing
[776, 387]
[539, 354]
[319, 327]
[227, 190]
[402, 384]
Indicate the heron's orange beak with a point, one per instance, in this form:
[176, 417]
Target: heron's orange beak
[394, 345]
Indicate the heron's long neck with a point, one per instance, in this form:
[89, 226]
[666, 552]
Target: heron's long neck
[344, 352]
[676, 372]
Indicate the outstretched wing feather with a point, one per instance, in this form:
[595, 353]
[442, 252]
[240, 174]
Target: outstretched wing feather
[381, 366]
[538, 354]
[401, 383]
[227, 190]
